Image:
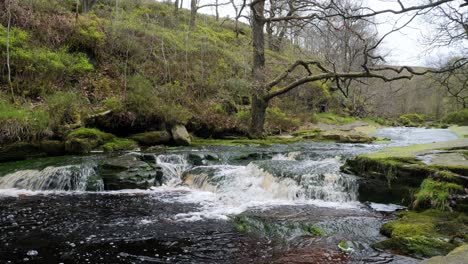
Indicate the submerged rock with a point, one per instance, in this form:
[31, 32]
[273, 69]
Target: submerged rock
[180, 135]
[129, 172]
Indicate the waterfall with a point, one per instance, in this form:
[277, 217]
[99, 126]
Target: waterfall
[64, 178]
[173, 166]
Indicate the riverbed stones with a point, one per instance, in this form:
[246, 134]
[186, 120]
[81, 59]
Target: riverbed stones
[129, 172]
[180, 135]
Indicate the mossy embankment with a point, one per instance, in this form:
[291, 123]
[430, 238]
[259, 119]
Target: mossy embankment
[431, 177]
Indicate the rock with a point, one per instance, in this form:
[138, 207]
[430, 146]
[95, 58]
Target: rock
[456, 256]
[129, 172]
[80, 145]
[53, 147]
[83, 140]
[424, 234]
[152, 138]
[180, 135]
[20, 151]
[199, 159]
[347, 137]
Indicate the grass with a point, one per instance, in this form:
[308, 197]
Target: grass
[119, 144]
[435, 194]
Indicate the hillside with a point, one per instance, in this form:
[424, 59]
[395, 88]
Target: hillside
[138, 60]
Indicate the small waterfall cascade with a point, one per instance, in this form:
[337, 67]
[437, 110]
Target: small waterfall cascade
[173, 166]
[64, 178]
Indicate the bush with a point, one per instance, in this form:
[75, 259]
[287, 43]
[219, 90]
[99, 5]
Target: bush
[144, 100]
[278, 122]
[65, 108]
[411, 120]
[458, 118]
[21, 123]
[331, 119]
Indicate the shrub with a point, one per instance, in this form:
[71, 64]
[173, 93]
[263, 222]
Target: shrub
[65, 108]
[144, 100]
[411, 120]
[459, 117]
[21, 123]
[435, 194]
[278, 122]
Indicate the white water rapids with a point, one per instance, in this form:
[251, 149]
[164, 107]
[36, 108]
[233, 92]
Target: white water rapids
[297, 175]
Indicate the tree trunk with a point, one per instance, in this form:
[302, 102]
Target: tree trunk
[8, 51]
[176, 8]
[217, 11]
[259, 103]
[193, 14]
[259, 106]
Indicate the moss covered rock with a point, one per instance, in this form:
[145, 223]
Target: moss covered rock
[129, 172]
[152, 138]
[83, 140]
[425, 234]
[20, 151]
[456, 256]
[119, 144]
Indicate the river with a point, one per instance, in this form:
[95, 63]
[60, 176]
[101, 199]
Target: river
[216, 204]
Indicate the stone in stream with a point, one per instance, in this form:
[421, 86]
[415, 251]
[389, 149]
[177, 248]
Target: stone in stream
[129, 172]
[180, 135]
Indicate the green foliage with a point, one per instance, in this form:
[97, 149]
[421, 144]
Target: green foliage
[119, 144]
[435, 194]
[332, 119]
[411, 120]
[458, 118]
[65, 108]
[22, 123]
[156, 103]
[35, 68]
[113, 104]
[91, 133]
[278, 122]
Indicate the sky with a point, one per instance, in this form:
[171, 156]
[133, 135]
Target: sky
[405, 47]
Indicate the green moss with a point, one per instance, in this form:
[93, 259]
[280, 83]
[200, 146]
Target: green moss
[315, 231]
[332, 119]
[152, 138]
[91, 133]
[343, 245]
[119, 144]
[424, 234]
[83, 140]
[411, 120]
[435, 194]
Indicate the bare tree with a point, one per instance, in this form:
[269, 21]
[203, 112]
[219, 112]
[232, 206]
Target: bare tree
[195, 6]
[310, 12]
[455, 83]
[8, 50]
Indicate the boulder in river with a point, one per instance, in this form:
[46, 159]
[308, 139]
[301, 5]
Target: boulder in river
[129, 172]
[180, 135]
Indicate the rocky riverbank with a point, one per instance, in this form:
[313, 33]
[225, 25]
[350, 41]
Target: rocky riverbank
[432, 180]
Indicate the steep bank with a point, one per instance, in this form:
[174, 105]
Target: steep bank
[426, 176]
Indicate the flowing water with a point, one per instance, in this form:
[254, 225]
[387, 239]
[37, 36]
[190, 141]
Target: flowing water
[215, 205]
